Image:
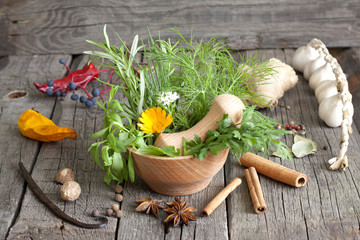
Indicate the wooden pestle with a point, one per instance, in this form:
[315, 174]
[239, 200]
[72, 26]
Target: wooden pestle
[221, 105]
[273, 170]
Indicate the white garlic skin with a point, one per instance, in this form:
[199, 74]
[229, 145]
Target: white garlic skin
[331, 110]
[313, 65]
[326, 89]
[302, 56]
[323, 73]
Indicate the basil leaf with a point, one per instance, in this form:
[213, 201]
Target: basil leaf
[99, 133]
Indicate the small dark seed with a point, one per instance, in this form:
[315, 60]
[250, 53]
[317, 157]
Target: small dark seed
[118, 213]
[109, 212]
[118, 188]
[118, 197]
[95, 213]
[115, 207]
[325, 148]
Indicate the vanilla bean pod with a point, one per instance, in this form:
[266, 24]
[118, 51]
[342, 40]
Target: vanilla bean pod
[55, 209]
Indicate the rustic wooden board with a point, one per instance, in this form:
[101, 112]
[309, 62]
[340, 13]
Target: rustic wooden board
[326, 208]
[71, 154]
[62, 26]
[18, 73]
[350, 62]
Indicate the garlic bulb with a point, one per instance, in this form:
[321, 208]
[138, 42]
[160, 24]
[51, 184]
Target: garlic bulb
[331, 90]
[326, 89]
[323, 73]
[313, 65]
[331, 110]
[302, 56]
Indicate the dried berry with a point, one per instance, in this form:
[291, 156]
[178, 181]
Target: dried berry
[109, 212]
[62, 60]
[115, 207]
[50, 83]
[49, 91]
[74, 97]
[95, 213]
[118, 197]
[118, 188]
[89, 103]
[118, 214]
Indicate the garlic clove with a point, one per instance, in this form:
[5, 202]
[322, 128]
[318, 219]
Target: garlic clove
[331, 110]
[302, 56]
[313, 65]
[325, 89]
[323, 73]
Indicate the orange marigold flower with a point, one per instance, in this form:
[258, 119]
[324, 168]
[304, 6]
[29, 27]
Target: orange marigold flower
[154, 120]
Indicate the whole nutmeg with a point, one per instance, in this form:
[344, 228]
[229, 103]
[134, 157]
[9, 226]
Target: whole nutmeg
[115, 207]
[70, 191]
[118, 214]
[118, 197]
[118, 188]
[64, 175]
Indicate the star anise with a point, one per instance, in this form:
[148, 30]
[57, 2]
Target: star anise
[179, 212]
[148, 204]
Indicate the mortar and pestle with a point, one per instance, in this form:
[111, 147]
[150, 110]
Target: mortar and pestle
[186, 175]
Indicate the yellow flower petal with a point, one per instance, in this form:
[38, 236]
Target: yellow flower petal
[154, 120]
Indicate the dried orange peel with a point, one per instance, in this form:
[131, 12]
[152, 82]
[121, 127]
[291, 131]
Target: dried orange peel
[35, 126]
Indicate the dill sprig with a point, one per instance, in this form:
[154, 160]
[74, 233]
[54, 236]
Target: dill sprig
[201, 70]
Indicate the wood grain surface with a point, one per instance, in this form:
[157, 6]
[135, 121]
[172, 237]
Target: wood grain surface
[53, 27]
[326, 208]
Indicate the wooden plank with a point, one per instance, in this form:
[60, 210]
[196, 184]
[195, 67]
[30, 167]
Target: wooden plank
[137, 225]
[19, 73]
[325, 207]
[349, 60]
[35, 221]
[63, 26]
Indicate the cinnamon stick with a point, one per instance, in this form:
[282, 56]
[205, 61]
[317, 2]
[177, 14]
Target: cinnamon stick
[273, 170]
[256, 194]
[213, 204]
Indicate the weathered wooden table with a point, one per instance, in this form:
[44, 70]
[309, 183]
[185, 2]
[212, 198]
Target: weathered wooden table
[328, 207]
[34, 35]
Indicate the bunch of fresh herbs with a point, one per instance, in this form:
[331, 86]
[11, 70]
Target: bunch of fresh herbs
[255, 134]
[196, 71]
